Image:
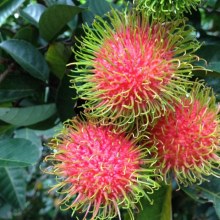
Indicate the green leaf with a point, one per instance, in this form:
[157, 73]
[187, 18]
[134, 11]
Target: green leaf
[57, 57]
[28, 57]
[49, 133]
[13, 186]
[55, 18]
[33, 13]
[211, 53]
[18, 152]
[6, 130]
[64, 101]
[30, 135]
[208, 191]
[211, 3]
[7, 8]
[16, 86]
[161, 208]
[97, 7]
[27, 115]
[27, 33]
[60, 2]
[46, 124]
[5, 211]
[212, 79]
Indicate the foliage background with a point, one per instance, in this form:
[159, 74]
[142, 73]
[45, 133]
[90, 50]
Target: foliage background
[36, 39]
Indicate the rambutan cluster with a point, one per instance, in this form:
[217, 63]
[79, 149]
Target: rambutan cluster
[145, 120]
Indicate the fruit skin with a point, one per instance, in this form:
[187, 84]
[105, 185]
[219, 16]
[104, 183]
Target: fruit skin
[100, 171]
[133, 68]
[188, 138]
[167, 7]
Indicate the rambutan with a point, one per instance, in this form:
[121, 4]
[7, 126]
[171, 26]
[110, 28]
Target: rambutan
[130, 67]
[187, 139]
[168, 7]
[100, 171]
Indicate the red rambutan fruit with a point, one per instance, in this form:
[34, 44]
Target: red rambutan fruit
[187, 139]
[131, 67]
[100, 171]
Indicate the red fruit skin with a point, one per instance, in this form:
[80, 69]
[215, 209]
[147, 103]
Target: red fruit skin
[187, 141]
[131, 67]
[99, 170]
[98, 162]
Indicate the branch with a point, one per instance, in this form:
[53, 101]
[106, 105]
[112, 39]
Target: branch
[6, 72]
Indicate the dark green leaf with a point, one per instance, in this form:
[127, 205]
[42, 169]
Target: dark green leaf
[30, 135]
[211, 53]
[13, 185]
[5, 211]
[50, 132]
[28, 33]
[26, 55]
[7, 8]
[33, 13]
[211, 3]
[212, 79]
[208, 191]
[27, 115]
[16, 86]
[59, 2]
[210, 21]
[57, 56]
[55, 18]
[66, 99]
[97, 7]
[18, 152]
[4, 35]
[46, 124]
[161, 208]
[6, 130]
